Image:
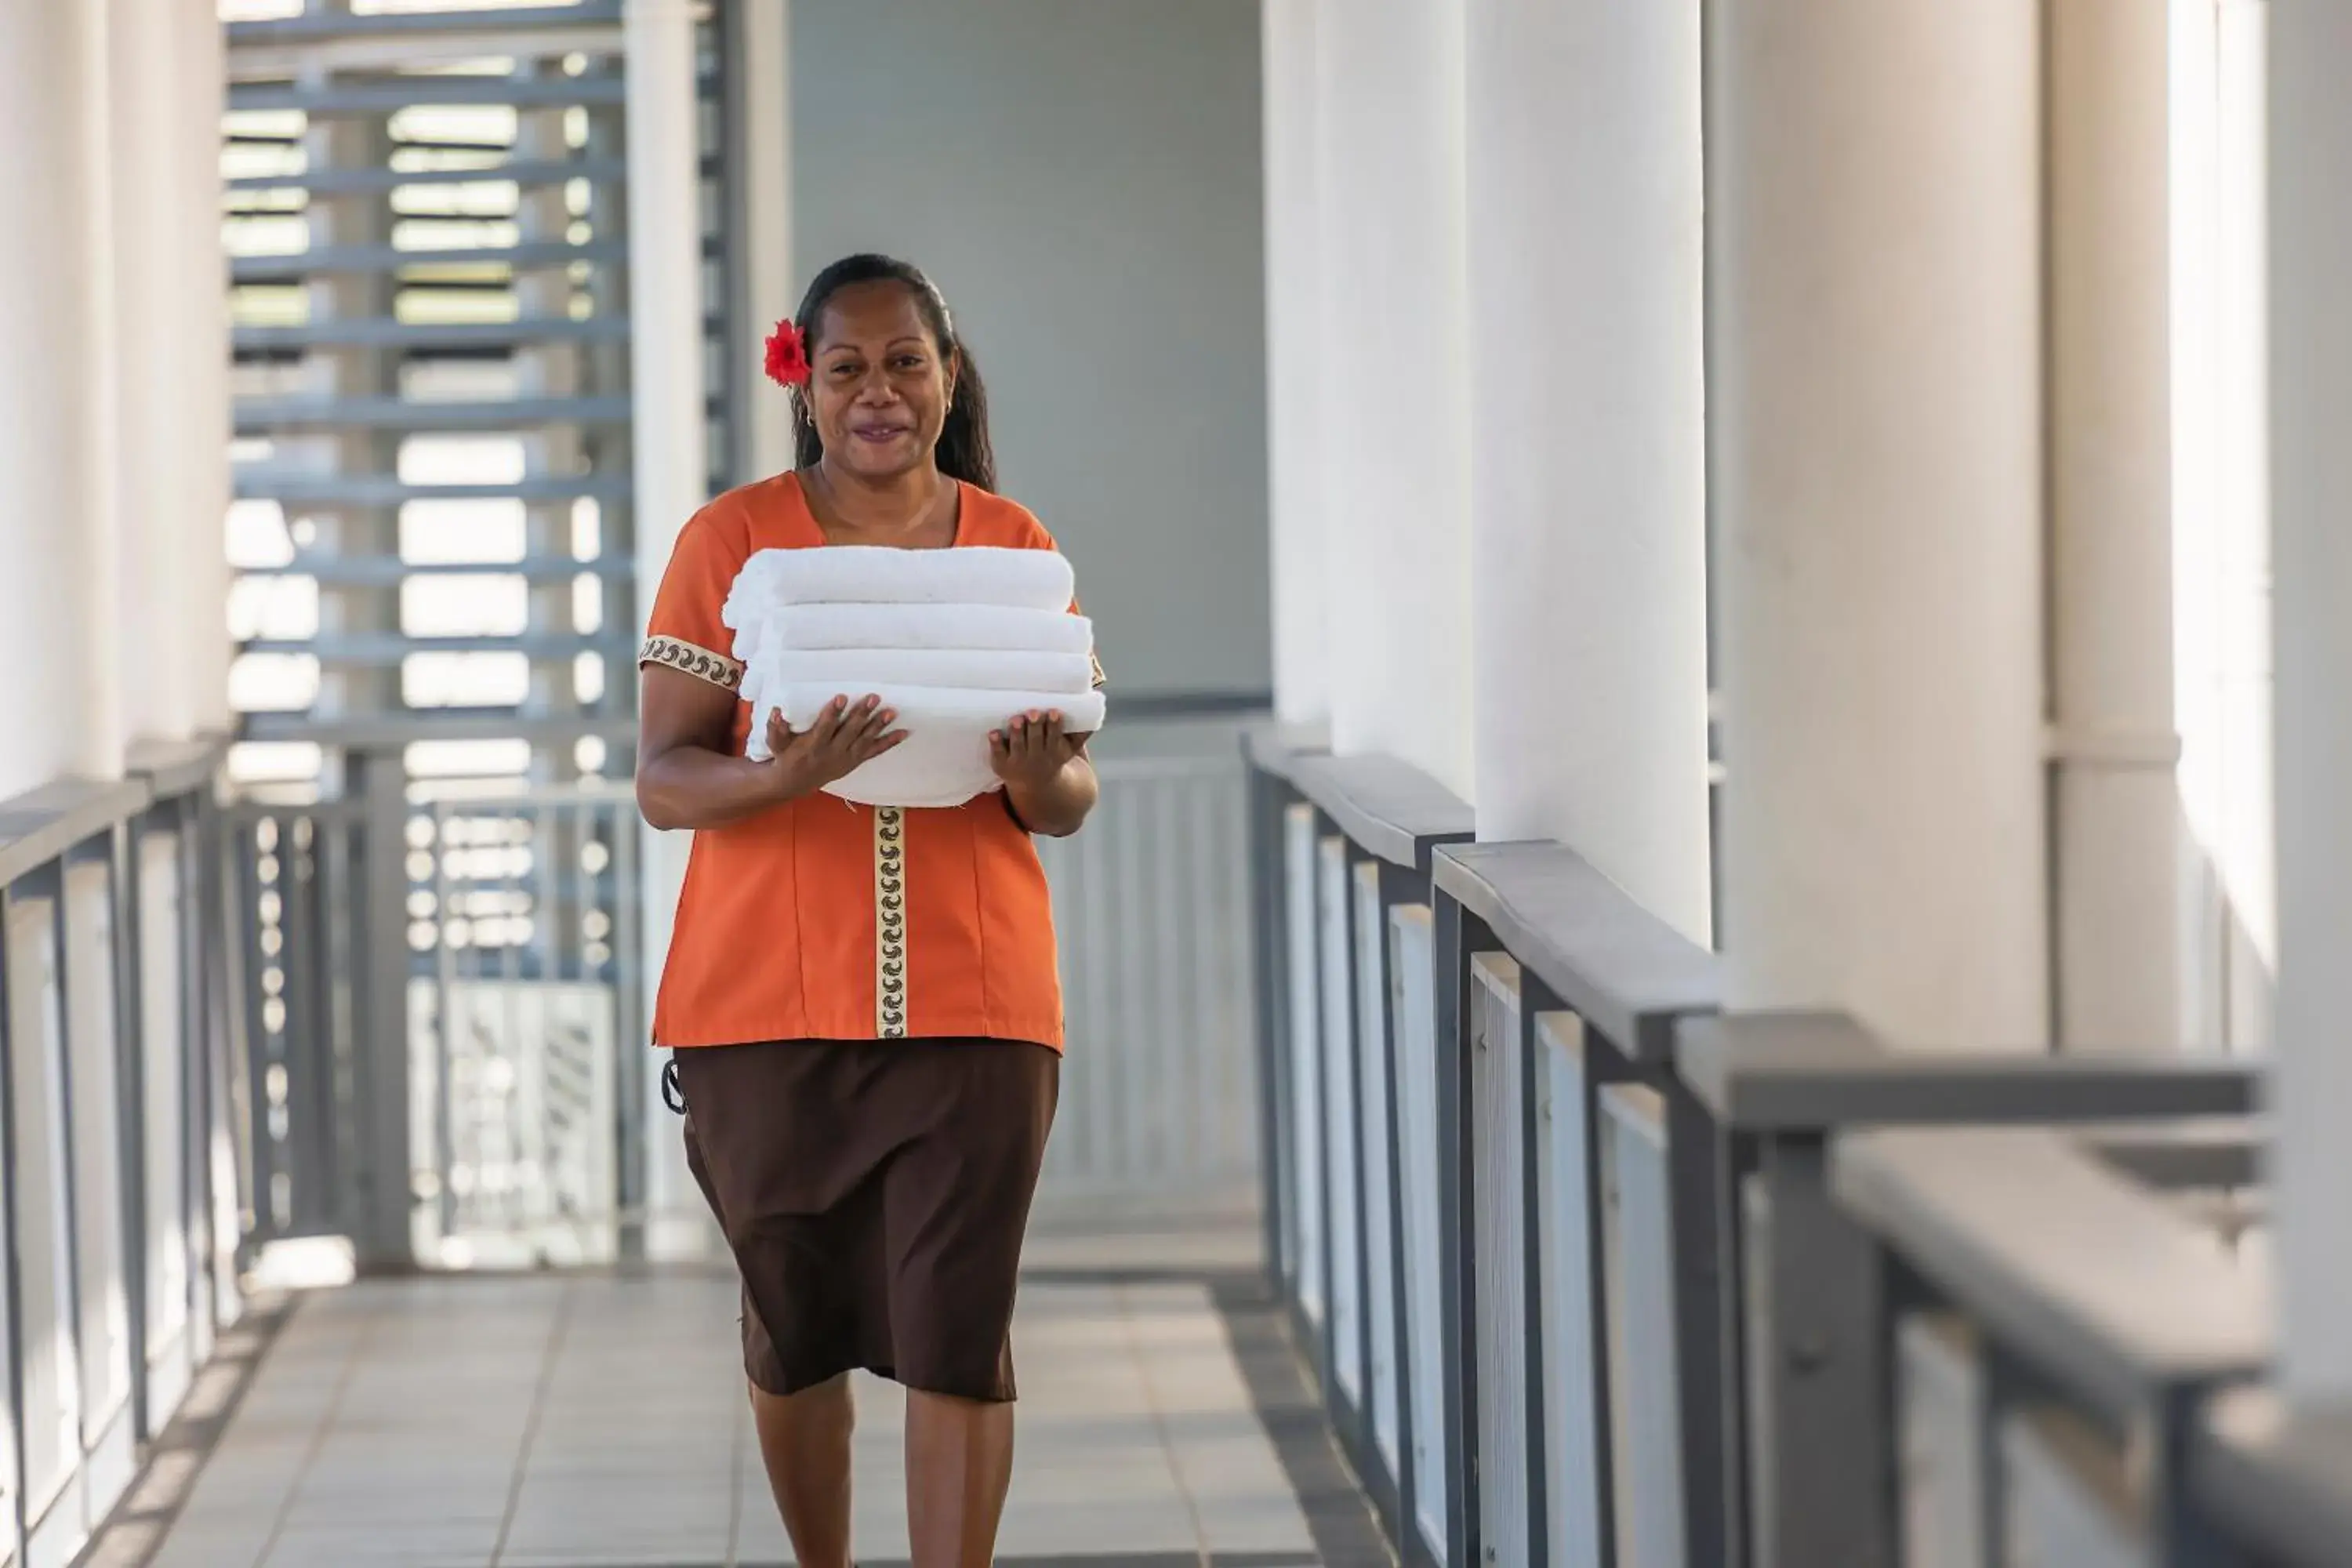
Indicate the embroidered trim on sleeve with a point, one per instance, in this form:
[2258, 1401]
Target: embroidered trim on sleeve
[700, 662]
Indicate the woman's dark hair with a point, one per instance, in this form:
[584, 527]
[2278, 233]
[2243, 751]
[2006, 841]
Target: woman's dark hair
[964, 452]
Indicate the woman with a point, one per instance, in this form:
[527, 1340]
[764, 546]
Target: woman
[862, 1004]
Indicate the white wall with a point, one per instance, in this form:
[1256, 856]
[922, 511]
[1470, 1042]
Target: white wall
[2311, 472]
[1084, 180]
[1297, 459]
[2221, 535]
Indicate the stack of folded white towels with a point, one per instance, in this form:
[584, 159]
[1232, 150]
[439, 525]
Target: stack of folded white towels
[957, 641]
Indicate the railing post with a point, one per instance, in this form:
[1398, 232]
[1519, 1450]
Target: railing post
[1813, 1309]
[131, 1110]
[382, 1238]
[1458, 1305]
[1707, 1372]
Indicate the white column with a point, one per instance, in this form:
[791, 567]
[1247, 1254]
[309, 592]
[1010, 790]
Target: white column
[670, 444]
[1588, 446]
[48, 464]
[1394, 353]
[201, 337]
[111, 664]
[1295, 373]
[2311, 475]
[2113, 746]
[1874, 197]
[169, 397]
[763, 40]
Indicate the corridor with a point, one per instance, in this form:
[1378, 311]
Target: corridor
[1715, 930]
[597, 1421]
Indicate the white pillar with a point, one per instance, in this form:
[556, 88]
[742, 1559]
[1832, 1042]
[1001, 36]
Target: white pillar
[2117, 802]
[763, 40]
[1394, 354]
[1295, 372]
[1587, 448]
[2311, 475]
[1875, 199]
[201, 337]
[669, 445]
[49, 465]
[169, 395]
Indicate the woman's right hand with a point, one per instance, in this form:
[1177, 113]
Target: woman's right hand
[845, 738]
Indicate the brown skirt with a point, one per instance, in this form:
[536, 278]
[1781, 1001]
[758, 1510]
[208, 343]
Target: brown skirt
[875, 1194]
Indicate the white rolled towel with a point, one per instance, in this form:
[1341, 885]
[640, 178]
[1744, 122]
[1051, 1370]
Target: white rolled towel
[981, 627]
[926, 626]
[863, 669]
[944, 759]
[863, 574]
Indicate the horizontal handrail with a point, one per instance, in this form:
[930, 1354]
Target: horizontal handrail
[177, 767]
[1793, 1071]
[1390, 809]
[1623, 969]
[42, 824]
[2110, 1293]
[1278, 748]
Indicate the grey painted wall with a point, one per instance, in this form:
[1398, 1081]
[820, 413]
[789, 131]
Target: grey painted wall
[1082, 179]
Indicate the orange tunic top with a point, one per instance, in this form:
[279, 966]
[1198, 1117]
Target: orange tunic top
[824, 919]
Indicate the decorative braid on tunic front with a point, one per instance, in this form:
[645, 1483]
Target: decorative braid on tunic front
[890, 922]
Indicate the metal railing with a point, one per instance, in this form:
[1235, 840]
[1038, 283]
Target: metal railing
[121, 1131]
[443, 983]
[447, 1018]
[2058, 1304]
[1560, 1241]
[1151, 911]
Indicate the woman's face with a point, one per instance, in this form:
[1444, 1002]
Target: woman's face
[879, 389]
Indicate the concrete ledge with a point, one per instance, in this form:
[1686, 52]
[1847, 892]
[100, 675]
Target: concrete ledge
[2279, 1481]
[2108, 1292]
[41, 825]
[1627, 974]
[178, 767]
[1390, 808]
[1798, 1071]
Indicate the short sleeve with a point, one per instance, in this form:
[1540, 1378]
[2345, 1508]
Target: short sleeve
[684, 631]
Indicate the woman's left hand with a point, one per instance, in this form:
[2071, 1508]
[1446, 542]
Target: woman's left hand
[1033, 750]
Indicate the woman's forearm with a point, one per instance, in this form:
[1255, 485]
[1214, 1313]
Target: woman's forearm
[1058, 807]
[691, 786]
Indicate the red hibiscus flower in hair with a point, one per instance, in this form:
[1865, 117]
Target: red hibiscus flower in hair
[787, 361]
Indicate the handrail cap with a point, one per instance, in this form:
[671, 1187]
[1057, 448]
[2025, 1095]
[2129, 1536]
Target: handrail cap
[1793, 1071]
[1276, 748]
[2111, 1292]
[1627, 974]
[42, 824]
[1391, 809]
[178, 767]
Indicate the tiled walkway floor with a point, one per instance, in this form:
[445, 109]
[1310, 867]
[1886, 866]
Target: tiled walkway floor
[599, 1422]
